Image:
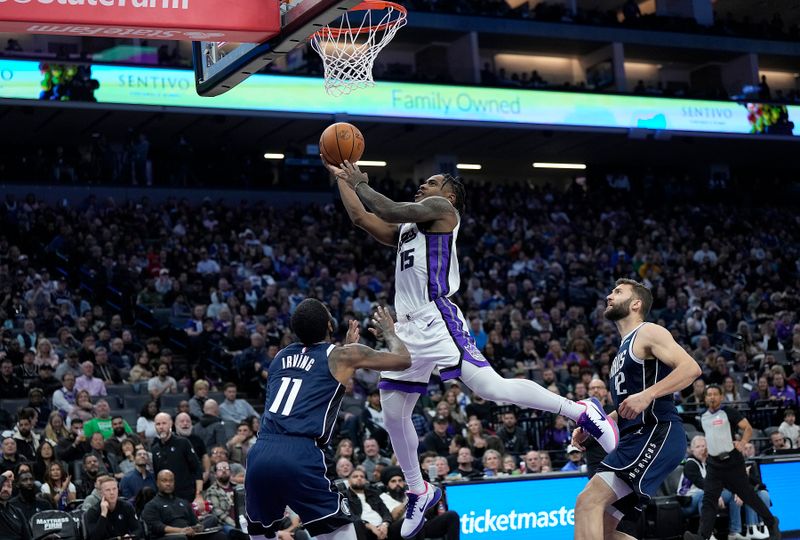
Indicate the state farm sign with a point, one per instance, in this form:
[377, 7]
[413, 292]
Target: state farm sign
[241, 21]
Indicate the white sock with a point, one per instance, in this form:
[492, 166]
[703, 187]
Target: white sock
[485, 382]
[346, 532]
[397, 408]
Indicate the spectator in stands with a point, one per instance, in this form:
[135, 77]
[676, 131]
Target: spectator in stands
[120, 432]
[142, 370]
[789, 429]
[70, 365]
[10, 457]
[45, 456]
[162, 383]
[476, 438]
[232, 409]
[692, 483]
[55, 429]
[27, 440]
[58, 487]
[239, 445]
[146, 423]
[514, 437]
[133, 482]
[28, 500]
[373, 459]
[74, 446]
[168, 514]
[27, 338]
[88, 382]
[113, 517]
[344, 467]
[372, 516]
[27, 371]
[206, 265]
[574, 460]
[108, 373]
[762, 392]
[782, 391]
[220, 495]
[86, 352]
[220, 453]
[183, 427]
[696, 402]
[11, 386]
[549, 381]
[492, 463]
[108, 462]
[46, 381]
[125, 455]
[465, 462]
[778, 442]
[533, 462]
[212, 429]
[103, 422]
[557, 435]
[45, 354]
[40, 406]
[12, 521]
[197, 401]
[174, 453]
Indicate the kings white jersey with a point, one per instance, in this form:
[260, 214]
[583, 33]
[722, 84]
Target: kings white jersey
[426, 269]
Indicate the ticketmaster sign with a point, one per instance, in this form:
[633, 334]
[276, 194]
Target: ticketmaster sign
[525, 508]
[175, 88]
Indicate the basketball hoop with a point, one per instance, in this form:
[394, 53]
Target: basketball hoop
[348, 50]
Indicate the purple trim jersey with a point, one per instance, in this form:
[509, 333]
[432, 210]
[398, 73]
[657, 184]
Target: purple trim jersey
[426, 269]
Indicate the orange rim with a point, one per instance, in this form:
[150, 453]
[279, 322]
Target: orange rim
[366, 6]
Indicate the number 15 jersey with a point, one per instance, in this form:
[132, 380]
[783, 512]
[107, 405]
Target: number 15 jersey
[630, 375]
[426, 269]
[303, 397]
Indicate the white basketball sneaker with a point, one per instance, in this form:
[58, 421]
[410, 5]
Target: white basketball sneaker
[596, 423]
[418, 504]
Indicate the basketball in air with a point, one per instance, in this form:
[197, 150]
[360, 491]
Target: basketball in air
[341, 141]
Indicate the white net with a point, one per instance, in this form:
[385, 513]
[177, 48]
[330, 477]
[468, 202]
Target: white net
[348, 48]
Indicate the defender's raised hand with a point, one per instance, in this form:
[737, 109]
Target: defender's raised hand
[353, 332]
[383, 322]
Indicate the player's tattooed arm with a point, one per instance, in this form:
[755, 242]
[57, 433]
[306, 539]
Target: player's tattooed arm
[429, 209]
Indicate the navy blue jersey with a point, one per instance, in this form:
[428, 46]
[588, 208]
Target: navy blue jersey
[631, 375]
[303, 398]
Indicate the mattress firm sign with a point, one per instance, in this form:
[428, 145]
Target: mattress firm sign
[176, 88]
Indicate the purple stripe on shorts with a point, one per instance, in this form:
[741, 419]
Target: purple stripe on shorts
[438, 247]
[403, 386]
[462, 338]
[450, 373]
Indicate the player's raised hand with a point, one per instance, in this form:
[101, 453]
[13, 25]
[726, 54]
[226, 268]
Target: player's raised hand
[578, 438]
[382, 321]
[353, 175]
[353, 332]
[335, 171]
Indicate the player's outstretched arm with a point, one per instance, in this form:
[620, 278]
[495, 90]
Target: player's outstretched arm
[659, 343]
[383, 232]
[346, 359]
[390, 211]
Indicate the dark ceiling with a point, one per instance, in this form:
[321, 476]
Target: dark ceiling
[503, 151]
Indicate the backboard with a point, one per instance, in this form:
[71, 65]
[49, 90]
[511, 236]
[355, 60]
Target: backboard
[219, 66]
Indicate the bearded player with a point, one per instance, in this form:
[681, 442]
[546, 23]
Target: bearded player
[648, 369]
[424, 232]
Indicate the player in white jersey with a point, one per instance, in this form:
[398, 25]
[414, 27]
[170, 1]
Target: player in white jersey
[433, 327]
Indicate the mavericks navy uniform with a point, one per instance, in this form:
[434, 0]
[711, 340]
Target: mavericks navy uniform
[286, 465]
[652, 444]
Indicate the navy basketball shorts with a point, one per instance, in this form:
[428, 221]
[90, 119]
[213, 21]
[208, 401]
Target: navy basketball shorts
[644, 458]
[290, 471]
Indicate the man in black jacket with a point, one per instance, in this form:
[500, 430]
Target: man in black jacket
[372, 518]
[177, 454]
[28, 501]
[113, 516]
[167, 514]
[74, 446]
[12, 521]
[515, 438]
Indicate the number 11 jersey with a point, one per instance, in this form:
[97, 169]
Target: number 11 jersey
[303, 397]
[630, 375]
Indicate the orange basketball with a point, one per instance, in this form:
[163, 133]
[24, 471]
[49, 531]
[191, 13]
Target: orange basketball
[341, 141]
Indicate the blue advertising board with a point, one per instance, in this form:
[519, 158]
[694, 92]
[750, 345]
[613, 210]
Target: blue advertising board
[527, 507]
[782, 477]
